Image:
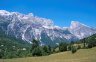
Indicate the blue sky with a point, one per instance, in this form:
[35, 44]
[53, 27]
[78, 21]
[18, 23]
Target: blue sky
[62, 12]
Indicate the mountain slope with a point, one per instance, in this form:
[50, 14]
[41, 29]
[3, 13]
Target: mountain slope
[28, 27]
[80, 30]
[10, 41]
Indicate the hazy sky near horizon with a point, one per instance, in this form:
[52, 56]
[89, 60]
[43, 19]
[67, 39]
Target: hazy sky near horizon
[62, 12]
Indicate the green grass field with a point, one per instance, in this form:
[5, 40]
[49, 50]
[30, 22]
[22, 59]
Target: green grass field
[82, 55]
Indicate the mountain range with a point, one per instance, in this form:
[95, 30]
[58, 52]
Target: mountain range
[28, 27]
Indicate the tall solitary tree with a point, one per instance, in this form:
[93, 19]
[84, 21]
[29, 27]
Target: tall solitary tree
[35, 43]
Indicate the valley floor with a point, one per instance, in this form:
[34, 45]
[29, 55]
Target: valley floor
[82, 55]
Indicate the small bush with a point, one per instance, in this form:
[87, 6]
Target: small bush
[89, 45]
[38, 51]
[73, 49]
[79, 47]
[63, 47]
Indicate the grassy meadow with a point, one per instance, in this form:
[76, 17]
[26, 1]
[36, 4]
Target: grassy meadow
[82, 55]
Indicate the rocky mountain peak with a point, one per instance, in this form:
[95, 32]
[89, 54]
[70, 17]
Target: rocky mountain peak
[28, 27]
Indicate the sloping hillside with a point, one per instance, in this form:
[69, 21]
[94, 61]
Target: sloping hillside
[9, 41]
[11, 47]
[82, 55]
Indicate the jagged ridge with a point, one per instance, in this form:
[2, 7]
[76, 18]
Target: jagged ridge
[29, 26]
